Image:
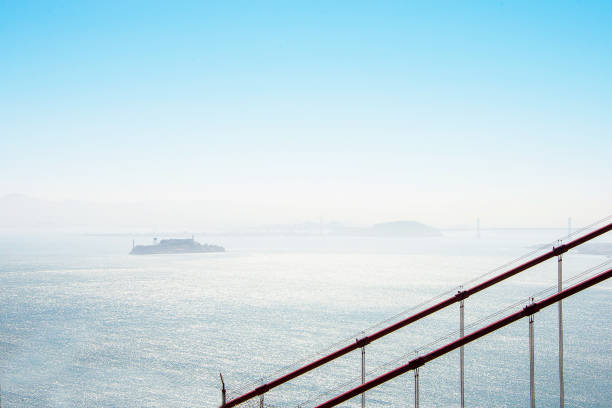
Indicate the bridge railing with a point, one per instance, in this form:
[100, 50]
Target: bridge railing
[458, 297]
[441, 370]
[527, 311]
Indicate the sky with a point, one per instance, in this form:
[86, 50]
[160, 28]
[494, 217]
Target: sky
[278, 112]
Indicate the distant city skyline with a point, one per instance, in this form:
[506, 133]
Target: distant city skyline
[273, 112]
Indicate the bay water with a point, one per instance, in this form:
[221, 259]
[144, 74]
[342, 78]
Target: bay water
[84, 324]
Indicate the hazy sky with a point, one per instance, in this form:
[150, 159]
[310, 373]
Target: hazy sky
[290, 111]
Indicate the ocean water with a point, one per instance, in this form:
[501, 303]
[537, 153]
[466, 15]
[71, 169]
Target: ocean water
[83, 324]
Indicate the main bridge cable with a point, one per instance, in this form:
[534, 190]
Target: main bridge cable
[556, 251]
[581, 277]
[421, 360]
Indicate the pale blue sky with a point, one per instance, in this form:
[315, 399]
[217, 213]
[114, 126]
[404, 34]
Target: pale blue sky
[358, 111]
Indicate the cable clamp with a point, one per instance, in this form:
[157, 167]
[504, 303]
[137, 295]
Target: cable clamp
[362, 342]
[531, 309]
[263, 389]
[417, 362]
[461, 295]
[560, 249]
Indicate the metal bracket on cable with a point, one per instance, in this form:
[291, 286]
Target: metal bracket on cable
[262, 389]
[558, 250]
[531, 309]
[417, 362]
[362, 342]
[461, 294]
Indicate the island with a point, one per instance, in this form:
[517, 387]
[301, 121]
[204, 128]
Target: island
[175, 246]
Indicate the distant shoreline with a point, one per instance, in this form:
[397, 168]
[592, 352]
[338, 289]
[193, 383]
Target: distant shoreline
[263, 233]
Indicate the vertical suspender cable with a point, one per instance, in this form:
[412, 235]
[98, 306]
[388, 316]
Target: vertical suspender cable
[560, 306]
[461, 370]
[363, 375]
[416, 387]
[531, 365]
